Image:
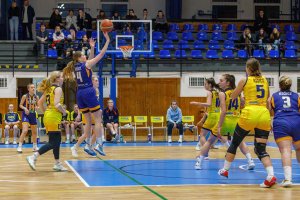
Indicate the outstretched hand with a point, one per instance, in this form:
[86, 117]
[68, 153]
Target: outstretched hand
[106, 36]
[92, 42]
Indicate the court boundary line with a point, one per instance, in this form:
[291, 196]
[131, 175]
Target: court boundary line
[77, 174]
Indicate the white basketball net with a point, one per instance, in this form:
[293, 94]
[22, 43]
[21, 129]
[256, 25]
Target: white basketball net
[126, 50]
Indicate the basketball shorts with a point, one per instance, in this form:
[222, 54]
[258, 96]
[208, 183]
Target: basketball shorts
[30, 119]
[211, 121]
[52, 121]
[87, 100]
[228, 126]
[287, 128]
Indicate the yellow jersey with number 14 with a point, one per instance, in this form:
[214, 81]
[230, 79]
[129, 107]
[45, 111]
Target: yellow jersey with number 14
[256, 91]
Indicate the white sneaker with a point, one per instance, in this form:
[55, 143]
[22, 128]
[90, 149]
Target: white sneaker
[198, 166]
[6, 142]
[180, 140]
[67, 141]
[251, 165]
[15, 142]
[35, 149]
[31, 161]
[74, 152]
[286, 183]
[59, 167]
[198, 147]
[19, 149]
[169, 140]
[206, 158]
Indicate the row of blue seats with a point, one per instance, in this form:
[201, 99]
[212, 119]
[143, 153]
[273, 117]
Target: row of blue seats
[197, 54]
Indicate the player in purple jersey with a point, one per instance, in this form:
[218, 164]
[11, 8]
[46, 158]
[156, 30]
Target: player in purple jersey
[286, 123]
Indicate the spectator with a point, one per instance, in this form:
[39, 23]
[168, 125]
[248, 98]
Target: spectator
[174, 120]
[42, 39]
[55, 19]
[261, 21]
[66, 125]
[84, 20]
[111, 118]
[161, 22]
[117, 25]
[71, 43]
[101, 15]
[58, 41]
[145, 14]
[274, 39]
[131, 26]
[84, 46]
[246, 41]
[76, 121]
[27, 15]
[262, 40]
[14, 15]
[12, 120]
[131, 15]
[71, 21]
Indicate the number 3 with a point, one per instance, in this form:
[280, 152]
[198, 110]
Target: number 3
[259, 88]
[286, 102]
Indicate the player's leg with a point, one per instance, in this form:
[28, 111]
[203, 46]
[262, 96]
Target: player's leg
[245, 150]
[34, 136]
[16, 131]
[67, 130]
[25, 126]
[97, 114]
[202, 139]
[285, 148]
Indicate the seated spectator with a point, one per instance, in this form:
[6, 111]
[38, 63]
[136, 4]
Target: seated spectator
[84, 20]
[14, 17]
[131, 16]
[84, 46]
[58, 41]
[101, 15]
[111, 118]
[261, 21]
[174, 120]
[145, 14]
[71, 44]
[262, 40]
[117, 25]
[55, 19]
[76, 122]
[161, 22]
[245, 41]
[42, 39]
[274, 39]
[71, 21]
[66, 124]
[12, 120]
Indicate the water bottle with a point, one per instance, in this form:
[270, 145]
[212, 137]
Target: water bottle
[149, 138]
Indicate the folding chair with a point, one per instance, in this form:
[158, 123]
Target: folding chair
[188, 123]
[140, 122]
[157, 122]
[126, 121]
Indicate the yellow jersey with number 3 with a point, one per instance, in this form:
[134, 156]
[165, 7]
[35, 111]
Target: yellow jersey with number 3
[256, 91]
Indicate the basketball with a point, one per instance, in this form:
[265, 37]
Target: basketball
[106, 25]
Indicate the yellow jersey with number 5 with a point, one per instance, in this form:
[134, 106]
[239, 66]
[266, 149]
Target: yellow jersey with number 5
[256, 91]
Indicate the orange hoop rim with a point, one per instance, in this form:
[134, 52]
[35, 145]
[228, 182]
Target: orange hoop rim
[126, 50]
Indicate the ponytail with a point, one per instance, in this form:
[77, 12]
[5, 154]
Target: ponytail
[212, 82]
[69, 69]
[44, 86]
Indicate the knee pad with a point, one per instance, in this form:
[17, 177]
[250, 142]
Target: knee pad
[260, 150]
[261, 133]
[238, 137]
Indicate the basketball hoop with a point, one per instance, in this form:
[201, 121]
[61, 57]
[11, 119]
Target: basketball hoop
[126, 50]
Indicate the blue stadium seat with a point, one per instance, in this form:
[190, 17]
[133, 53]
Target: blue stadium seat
[187, 36]
[275, 26]
[172, 36]
[289, 28]
[180, 54]
[149, 55]
[232, 36]
[157, 35]
[119, 55]
[290, 54]
[212, 54]
[274, 54]
[188, 27]
[231, 27]
[242, 54]
[142, 35]
[217, 35]
[168, 44]
[50, 34]
[80, 34]
[113, 35]
[228, 44]
[291, 36]
[227, 54]
[243, 26]
[138, 44]
[202, 27]
[258, 53]
[94, 35]
[164, 54]
[174, 27]
[202, 35]
[214, 44]
[217, 27]
[183, 44]
[155, 44]
[196, 54]
[127, 33]
[52, 53]
[66, 33]
[199, 44]
[290, 45]
[38, 26]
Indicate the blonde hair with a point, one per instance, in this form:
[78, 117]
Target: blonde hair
[69, 69]
[253, 66]
[46, 84]
[285, 83]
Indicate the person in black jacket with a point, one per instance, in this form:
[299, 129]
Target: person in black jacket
[262, 40]
[14, 15]
[261, 21]
[245, 41]
[55, 19]
[27, 15]
[111, 118]
[84, 20]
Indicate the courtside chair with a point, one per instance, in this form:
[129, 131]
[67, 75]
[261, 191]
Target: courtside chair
[157, 123]
[188, 123]
[125, 123]
[141, 123]
[80, 34]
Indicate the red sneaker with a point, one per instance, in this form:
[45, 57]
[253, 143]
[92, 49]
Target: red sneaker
[223, 172]
[269, 183]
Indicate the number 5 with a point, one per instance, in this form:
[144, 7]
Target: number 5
[259, 88]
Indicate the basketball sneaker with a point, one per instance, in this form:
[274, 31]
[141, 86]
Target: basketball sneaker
[251, 165]
[19, 149]
[35, 149]
[59, 167]
[269, 182]
[15, 142]
[198, 146]
[198, 165]
[286, 183]
[223, 172]
[74, 151]
[67, 141]
[31, 161]
[90, 151]
[180, 140]
[99, 149]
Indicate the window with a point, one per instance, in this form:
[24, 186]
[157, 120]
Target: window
[65, 7]
[109, 6]
[105, 82]
[3, 82]
[298, 84]
[219, 11]
[270, 11]
[196, 82]
[270, 82]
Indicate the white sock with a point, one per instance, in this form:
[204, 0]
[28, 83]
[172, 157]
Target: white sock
[270, 171]
[287, 172]
[180, 136]
[20, 144]
[36, 155]
[99, 140]
[34, 145]
[248, 156]
[169, 137]
[68, 136]
[226, 144]
[227, 165]
[200, 159]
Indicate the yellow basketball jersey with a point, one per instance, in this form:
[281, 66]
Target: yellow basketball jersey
[232, 105]
[50, 101]
[215, 103]
[256, 91]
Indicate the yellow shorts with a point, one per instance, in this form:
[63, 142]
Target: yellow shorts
[228, 126]
[52, 121]
[211, 121]
[255, 117]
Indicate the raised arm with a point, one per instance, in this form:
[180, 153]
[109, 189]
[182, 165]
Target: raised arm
[92, 45]
[239, 89]
[92, 62]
